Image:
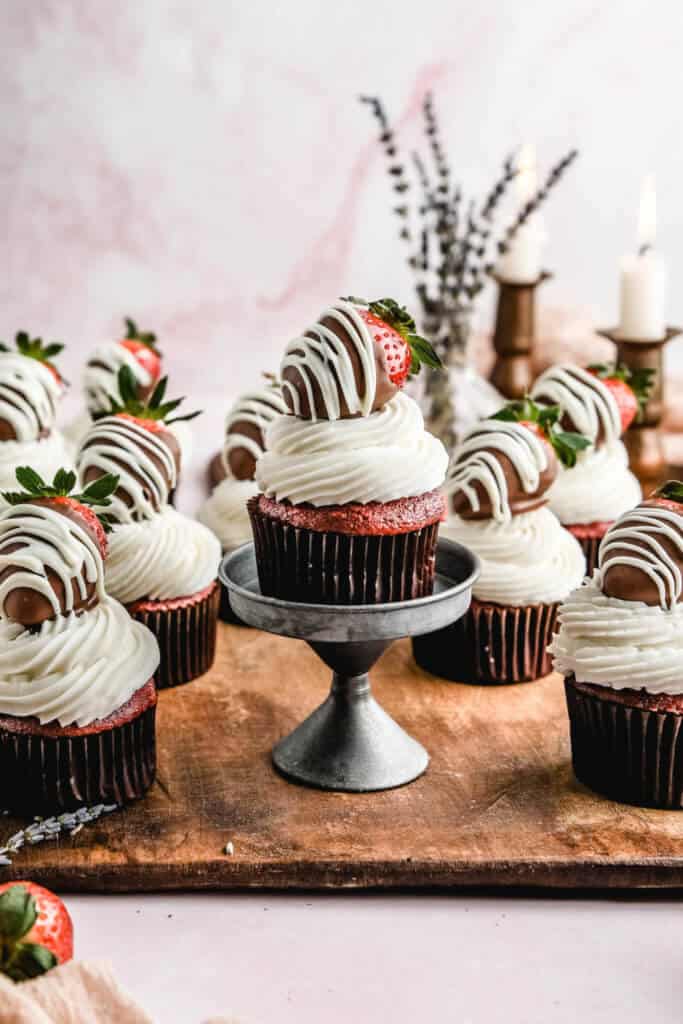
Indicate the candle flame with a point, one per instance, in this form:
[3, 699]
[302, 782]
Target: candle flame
[526, 172]
[647, 214]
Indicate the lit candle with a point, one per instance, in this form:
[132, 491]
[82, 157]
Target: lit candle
[642, 293]
[521, 264]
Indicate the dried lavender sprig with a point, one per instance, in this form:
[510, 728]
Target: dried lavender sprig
[42, 829]
[537, 199]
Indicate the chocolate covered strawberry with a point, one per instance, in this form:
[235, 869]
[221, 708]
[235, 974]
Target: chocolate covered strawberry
[30, 606]
[143, 346]
[629, 388]
[544, 421]
[395, 335]
[36, 932]
[34, 348]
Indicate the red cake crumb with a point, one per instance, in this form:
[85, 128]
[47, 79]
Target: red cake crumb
[142, 699]
[374, 519]
[171, 604]
[588, 531]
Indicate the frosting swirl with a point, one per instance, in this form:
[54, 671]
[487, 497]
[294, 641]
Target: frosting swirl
[46, 456]
[167, 556]
[531, 559]
[75, 668]
[225, 512]
[100, 379]
[28, 395]
[378, 457]
[598, 489]
[620, 644]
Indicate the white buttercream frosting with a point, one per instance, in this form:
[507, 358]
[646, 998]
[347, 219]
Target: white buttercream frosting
[100, 380]
[382, 457]
[620, 644]
[258, 408]
[46, 456]
[588, 402]
[29, 392]
[144, 463]
[531, 559]
[473, 464]
[598, 489]
[225, 511]
[636, 540]
[75, 668]
[321, 357]
[48, 541]
[167, 556]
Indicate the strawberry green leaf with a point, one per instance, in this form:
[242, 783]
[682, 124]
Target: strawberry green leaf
[134, 334]
[672, 490]
[153, 409]
[99, 491]
[31, 480]
[18, 914]
[95, 494]
[64, 481]
[27, 960]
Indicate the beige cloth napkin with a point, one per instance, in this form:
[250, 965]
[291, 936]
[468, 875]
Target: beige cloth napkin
[75, 993]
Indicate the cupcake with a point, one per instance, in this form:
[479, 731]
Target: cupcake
[162, 566]
[620, 649]
[600, 403]
[30, 389]
[498, 485]
[349, 507]
[225, 511]
[77, 697]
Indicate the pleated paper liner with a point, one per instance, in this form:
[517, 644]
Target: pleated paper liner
[47, 769]
[491, 644]
[625, 745]
[298, 564]
[186, 630]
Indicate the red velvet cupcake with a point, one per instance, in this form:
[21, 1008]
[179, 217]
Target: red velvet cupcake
[162, 566]
[349, 506]
[77, 698]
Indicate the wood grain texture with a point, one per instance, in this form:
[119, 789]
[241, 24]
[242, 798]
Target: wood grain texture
[497, 806]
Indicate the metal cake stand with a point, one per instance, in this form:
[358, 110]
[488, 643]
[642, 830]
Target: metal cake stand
[350, 743]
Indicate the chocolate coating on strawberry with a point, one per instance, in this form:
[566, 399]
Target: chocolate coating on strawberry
[51, 548]
[135, 443]
[641, 555]
[353, 360]
[245, 429]
[138, 351]
[30, 388]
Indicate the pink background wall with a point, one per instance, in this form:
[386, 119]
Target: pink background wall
[206, 167]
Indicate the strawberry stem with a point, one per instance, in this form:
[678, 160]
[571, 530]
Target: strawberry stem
[34, 348]
[96, 495]
[152, 409]
[20, 960]
[640, 380]
[672, 490]
[565, 443]
[400, 320]
[133, 333]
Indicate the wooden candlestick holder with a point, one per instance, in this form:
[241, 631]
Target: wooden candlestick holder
[644, 439]
[514, 336]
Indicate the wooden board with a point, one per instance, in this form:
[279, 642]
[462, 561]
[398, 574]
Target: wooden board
[498, 805]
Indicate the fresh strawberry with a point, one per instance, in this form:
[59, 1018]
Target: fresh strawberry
[630, 389]
[58, 496]
[33, 348]
[543, 420]
[154, 413]
[36, 932]
[393, 331]
[143, 346]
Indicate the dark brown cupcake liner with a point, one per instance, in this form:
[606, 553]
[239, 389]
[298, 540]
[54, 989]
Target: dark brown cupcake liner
[491, 644]
[627, 753]
[186, 631]
[45, 770]
[590, 547]
[297, 564]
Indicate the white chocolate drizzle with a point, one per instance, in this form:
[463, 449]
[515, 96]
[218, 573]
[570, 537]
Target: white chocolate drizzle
[100, 379]
[28, 395]
[49, 541]
[584, 398]
[472, 465]
[635, 540]
[116, 444]
[259, 408]
[321, 356]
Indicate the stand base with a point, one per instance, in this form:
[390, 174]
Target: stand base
[350, 744]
